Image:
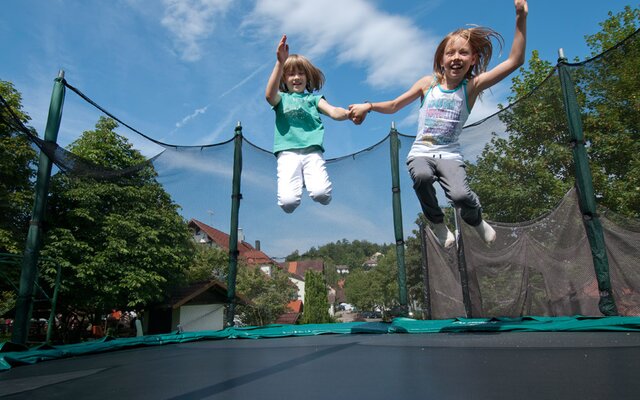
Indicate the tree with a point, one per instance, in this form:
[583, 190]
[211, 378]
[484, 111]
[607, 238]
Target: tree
[316, 305]
[268, 294]
[522, 177]
[377, 287]
[525, 175]
[120, 245]
[343, 252]
[17, 169]
[210, 262]
[612, 112]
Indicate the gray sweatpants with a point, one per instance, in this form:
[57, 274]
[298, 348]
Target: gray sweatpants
[452, 175]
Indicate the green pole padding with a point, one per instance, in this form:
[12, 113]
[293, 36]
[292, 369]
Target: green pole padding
[584, 183]
[397, 217]
[29, 271]
[233, 230]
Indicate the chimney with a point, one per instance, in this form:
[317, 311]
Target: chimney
[240, 235]
[257, 245]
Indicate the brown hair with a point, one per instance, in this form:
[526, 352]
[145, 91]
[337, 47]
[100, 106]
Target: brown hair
[479, 38]
[315, 77]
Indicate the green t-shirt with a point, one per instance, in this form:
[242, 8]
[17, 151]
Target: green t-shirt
[298, 123]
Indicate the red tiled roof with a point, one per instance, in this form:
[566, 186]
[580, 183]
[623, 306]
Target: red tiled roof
[295, 306]
[245, 250]
[301, 266]
[288, 318]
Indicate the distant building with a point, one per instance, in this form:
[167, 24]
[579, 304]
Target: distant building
[197, 307]
[342, 269]
[297, 270]
[294, 310]
[372, 261]
[253, 256]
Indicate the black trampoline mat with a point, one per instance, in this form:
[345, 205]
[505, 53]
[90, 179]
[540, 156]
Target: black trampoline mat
[506, 365]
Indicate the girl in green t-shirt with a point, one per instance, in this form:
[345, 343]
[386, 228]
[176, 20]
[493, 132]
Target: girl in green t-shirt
[299, 133]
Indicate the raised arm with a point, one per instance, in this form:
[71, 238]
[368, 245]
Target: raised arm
[516, 55]
[282, 52]
[358, 112]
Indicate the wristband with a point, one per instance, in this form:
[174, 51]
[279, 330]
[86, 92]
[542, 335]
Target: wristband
[370, 108]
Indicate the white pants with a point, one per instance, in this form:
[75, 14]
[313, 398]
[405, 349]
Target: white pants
[298, 169]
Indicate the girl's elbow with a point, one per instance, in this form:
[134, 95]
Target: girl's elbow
[270, 99]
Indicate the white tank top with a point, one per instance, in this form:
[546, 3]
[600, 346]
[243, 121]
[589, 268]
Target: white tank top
[442, 115]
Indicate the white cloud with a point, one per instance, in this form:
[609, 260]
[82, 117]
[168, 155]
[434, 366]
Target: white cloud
[391, 48]
[192, 21]
[246, 79]
[194, 114]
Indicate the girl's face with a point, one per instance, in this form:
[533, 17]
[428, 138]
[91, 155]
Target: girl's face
[295, 80]
[457, 59]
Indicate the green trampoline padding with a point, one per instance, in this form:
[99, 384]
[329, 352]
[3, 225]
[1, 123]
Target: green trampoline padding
[10, 356]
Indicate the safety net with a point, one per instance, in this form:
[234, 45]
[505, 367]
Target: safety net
[520, 162]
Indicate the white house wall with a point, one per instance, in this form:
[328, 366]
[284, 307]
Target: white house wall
[205, 317]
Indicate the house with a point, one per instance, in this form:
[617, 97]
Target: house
[299, 282]
[372, 261]
[293, 314]
[197, 307]
[342, 269]
[301, 266]
[253, 256]
[297, 270]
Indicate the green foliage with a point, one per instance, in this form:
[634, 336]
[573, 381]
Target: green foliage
[316, 305]
[525, 175]
[343, 252]
[210, 262]
[269, 295]
[611, 113]
[377, 287]
[7, 301]
[120, 245]
[17, 170]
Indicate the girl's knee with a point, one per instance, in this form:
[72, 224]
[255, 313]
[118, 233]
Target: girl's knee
[423, 179]
[323, 197]
[461, 197]
[288, 203]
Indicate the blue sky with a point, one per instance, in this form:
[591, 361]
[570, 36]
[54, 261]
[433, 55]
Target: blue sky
[186, 71]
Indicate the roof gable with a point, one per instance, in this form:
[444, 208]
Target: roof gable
[250, 254]
[211, 291]
[301, 266]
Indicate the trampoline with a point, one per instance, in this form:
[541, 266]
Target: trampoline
[471, 363]
[511, 365]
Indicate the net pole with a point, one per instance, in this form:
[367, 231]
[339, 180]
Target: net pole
[397, 216]
[24, 303]
[462, 269]
[54, 303]
[584, 184]
[426, 288]
[236, 196]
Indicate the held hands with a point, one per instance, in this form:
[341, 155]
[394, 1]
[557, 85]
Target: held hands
[282, 53]
[358, 112]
